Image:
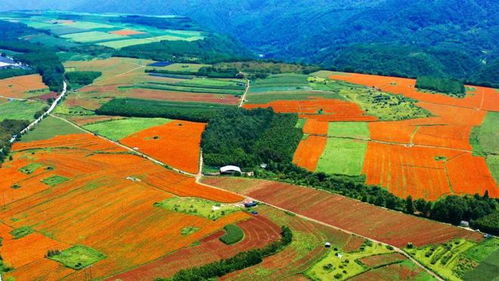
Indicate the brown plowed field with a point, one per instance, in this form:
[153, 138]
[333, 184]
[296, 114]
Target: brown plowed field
[258, 232]
[380, 224]
[16, 87]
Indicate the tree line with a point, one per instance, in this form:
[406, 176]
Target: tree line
[9, 128]
[240, 261]
[442, 85]
[451, 209]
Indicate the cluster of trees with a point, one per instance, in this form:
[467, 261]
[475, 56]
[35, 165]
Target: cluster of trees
[78, 79]
[254, 69]
[197, 112]
[237, 262]
[488, 223]
[9, 128]
[41, 58]
[451, 209]
[214, 48]
[12, 72]
[250, 137]
[442, 85]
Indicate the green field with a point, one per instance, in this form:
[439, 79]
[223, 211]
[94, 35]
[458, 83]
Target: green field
[342, 265]
[188, 68]
[21, 232]
[131, 42]
[487, 270]
[342, 156]
[454, 259]
[20, 110]
[189, 230]
[49, 128]
[356, 130]
[484, 141]
[233, 234]
[78, 257]
[91, 36]
[30, 168]
[118, 129]
[198, 207]
[54, 180]
[281, 80]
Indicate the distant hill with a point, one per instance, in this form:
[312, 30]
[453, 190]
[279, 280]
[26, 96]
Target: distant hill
[456, 38]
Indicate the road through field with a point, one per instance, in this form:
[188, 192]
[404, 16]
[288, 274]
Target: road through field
[243, 97]
[199, 178]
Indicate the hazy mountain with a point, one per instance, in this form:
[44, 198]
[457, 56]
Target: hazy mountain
[402, 37]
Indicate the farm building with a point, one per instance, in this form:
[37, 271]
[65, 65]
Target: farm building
[230, 169]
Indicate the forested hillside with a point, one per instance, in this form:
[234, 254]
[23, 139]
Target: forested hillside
[455, 38]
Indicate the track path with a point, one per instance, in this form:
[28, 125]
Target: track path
[243, 97]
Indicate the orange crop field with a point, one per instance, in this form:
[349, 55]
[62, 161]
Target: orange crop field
[402, 155]
[108, 197]
[315, 127]
[176, 143]
[309, 151]
[319, 108]
[126, 32]
[17, 87]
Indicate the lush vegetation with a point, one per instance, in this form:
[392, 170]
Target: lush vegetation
[199, 112]
[488, 259]
[11, 72]
[42, 59]
[343, 265]
[78, 79]
[254, 69]
[488, 223]
[76, 257]
[54, 180]
[21, 232]
[197, 207]
[250, 137]
[342, 156]
[441, 85]
[484, 141]
[233, 234]
[9, 128]
[237, 262]
[49, 128]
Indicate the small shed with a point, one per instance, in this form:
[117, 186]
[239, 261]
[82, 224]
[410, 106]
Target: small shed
[250, 204]
[230, 169]
[327, 245]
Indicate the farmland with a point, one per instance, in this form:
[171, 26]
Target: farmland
[89, 167]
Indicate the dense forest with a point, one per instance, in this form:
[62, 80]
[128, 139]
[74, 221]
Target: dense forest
[41, 58]
[214, 48]
[78, 79]
[441, 85]
[445, 38]
[250, 137]
[198, 112]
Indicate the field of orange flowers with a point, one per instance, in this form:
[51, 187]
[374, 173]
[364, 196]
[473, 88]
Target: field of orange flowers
[107, 203]
[428, 157]
[175, 143]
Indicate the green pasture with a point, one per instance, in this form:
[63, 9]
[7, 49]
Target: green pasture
[188, 230]
[49, 128]
[78, 257]
[266, 97]
[131, 42]
[342, 156]
[282, 80]
[30, 168]
[233, 234]
[342, 265]
[91, 36]
[20, 110]
[181, 67]
[21, 232]
[121, 128]
[54, 180]
[357, 130]
[484, 142]
[198, 207]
